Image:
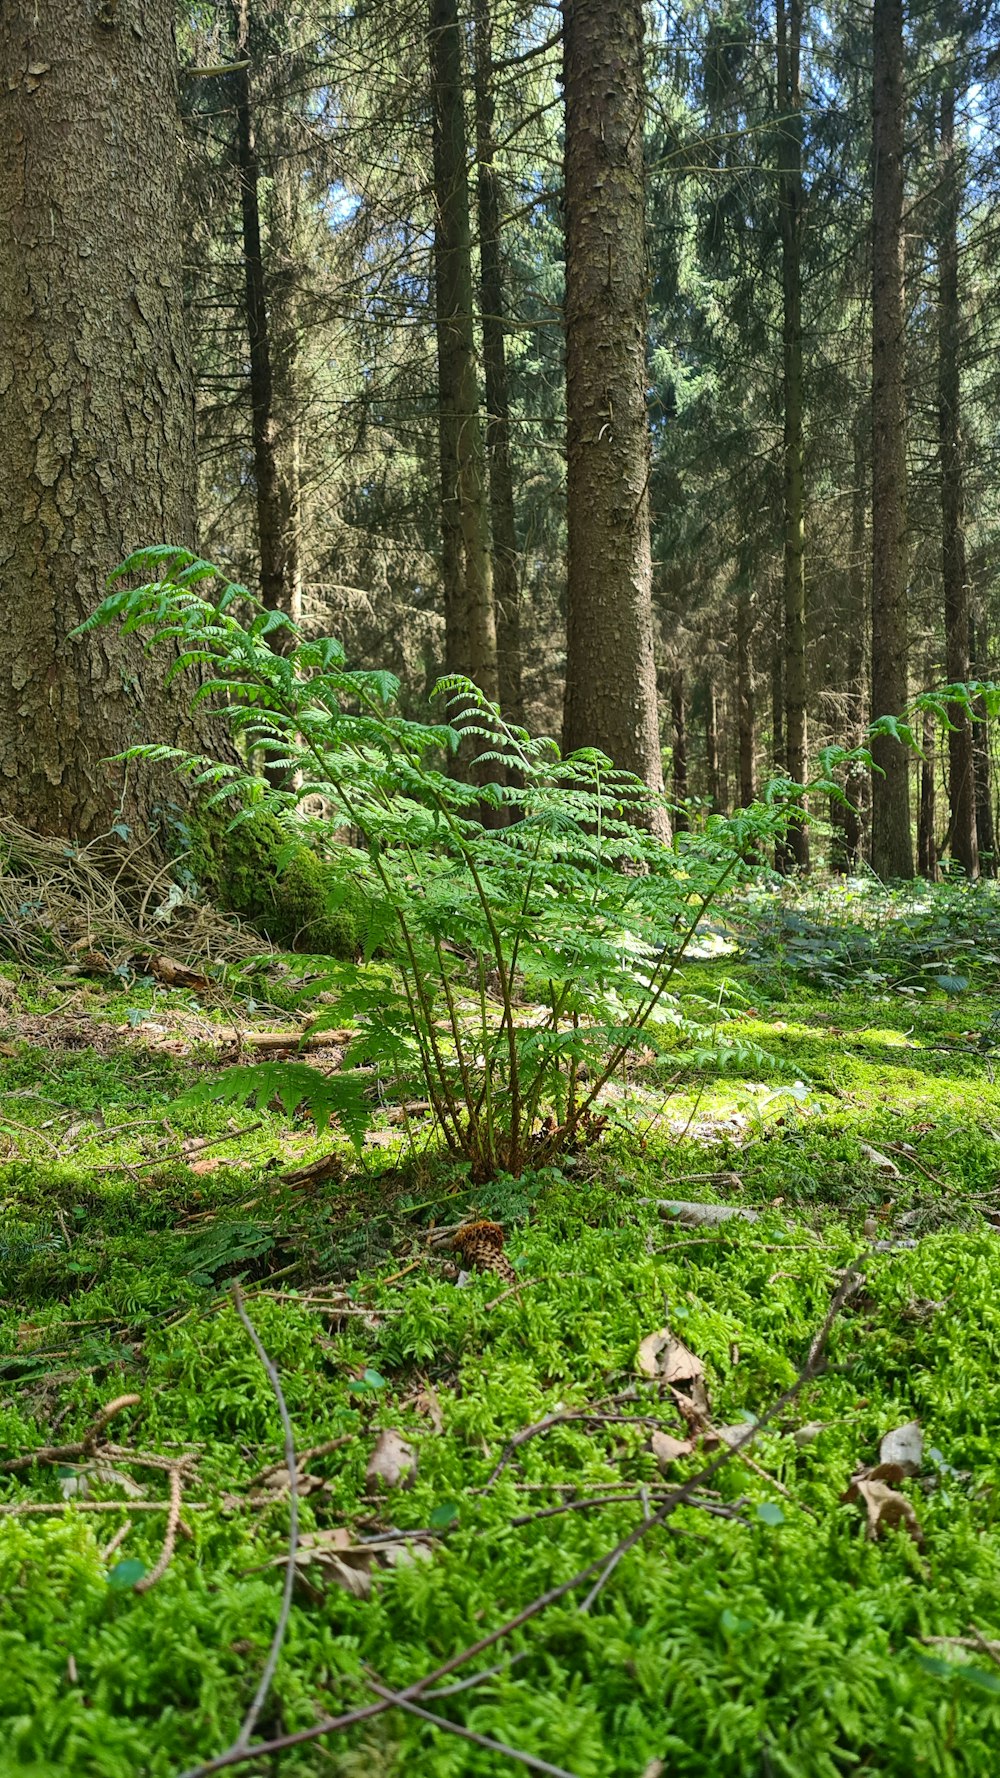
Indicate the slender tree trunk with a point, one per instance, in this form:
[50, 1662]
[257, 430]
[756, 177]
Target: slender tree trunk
[284, 224]
[746, 713]
[926, 843]
[961, 774]
[985, 827]
[506, 564]
[97, 440]
[272, 502]
[610, 669]
[712, 746]
[892, 854]
[790, 195]
[678, 727]
[470, 619]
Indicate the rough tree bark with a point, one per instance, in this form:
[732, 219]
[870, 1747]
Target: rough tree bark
[97, 445]
[506, 567]
[961, 775]
[610, 670]
[790, 196]
[892, 846]
[470, 618]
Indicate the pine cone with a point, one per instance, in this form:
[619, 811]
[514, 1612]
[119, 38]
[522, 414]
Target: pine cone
[481, 1247]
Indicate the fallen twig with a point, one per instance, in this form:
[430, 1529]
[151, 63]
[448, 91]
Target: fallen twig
[399, 1700]
[170, 1534]
[84, 1447]
[569, 1416]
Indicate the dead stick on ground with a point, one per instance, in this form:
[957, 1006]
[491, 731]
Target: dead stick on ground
[264, 1686]
[679, 1497]
[169, 1536]
[82, 1448]
[530, 1760]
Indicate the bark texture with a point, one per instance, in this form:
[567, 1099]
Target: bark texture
[892, 846]
[97, 441]
[470, 619]
[790, 195]
[610, 670]
[506, 561]
[961, 775]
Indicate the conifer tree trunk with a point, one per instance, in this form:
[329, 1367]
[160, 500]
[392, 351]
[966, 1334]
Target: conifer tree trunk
[678, 726]
[961, 775]
[271, 499]
[746, 713]
[892, 851]
[985, 826]
[610, 670]
[712, 747]
[926, 841]
[506, 573]
[470, 619]
[97, 440]
[789, 28]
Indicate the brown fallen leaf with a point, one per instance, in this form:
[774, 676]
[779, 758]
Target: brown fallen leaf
[333, 1556]
[663, 1356]
[175, 975]
[208, 1165]
[426, 1402]
[329, 1166]
[876, 1158]
[668, 1450]
[884, 1506]
[392, 1462]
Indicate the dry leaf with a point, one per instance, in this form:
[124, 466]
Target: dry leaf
[665, 1357]
[208, 1165]
[655, 1769]
[884, 1506]
[426, 1402]
[337, 1559]
[393, 1461]
[667, 1449]
[903, 1448]
[695, 1215]
[805, 1435]
[329, 1166]
[879, 1160]
[176, 975]
[732, 1435]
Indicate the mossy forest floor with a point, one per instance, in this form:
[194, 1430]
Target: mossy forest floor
[759, 1630]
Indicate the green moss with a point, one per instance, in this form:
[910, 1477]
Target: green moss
[297, 903]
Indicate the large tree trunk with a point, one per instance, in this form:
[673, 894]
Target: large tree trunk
[789, 30]
[961, 776]
[849, 820]
[470, 619]
[892, 846]
[610, 670]
[712, 768]
[97, 444]
[506, 573]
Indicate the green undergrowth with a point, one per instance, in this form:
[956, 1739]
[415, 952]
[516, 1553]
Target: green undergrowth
[779, 1640]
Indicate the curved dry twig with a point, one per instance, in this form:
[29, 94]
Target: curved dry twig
[169, 1535]
[531, 1760]
[84, 1447]
[264, 1685]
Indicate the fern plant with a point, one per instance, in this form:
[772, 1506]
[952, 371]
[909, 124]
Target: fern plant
[533, 933]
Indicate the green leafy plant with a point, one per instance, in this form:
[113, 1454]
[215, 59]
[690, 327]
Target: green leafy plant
[534, 932]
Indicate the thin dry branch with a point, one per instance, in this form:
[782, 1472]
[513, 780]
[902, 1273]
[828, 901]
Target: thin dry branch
[84, 1447]
[530, 1760]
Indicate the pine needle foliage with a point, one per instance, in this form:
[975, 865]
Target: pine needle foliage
[533, 922]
